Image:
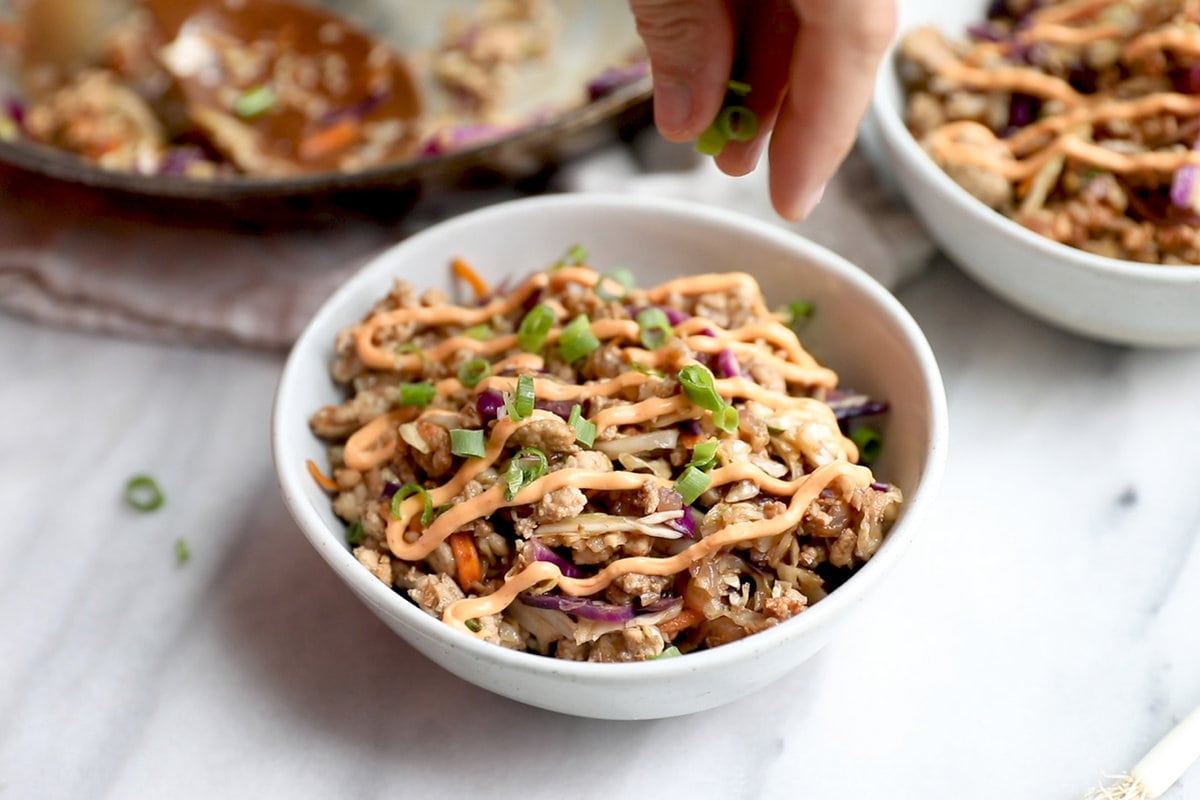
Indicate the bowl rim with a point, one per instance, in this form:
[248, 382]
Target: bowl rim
[895, 133]
[331, 547]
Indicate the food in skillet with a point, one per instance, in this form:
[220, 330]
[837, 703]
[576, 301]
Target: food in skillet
[1079, 119]
[579, 468]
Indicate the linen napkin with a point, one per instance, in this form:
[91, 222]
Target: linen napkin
[79, 258]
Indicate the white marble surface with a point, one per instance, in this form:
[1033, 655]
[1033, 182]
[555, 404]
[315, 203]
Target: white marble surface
[1041, 632]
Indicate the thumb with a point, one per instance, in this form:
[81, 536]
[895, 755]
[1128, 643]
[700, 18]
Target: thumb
[690, 45]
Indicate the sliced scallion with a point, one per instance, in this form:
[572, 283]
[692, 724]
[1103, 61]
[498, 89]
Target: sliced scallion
[577, 340]
[711, 142]
[654, 328]
[473, 625]
[623, 278]
[737, 123]
[798, 312]
[646, 369]
[408, 490]
[417, 394]
[697, 382]
[479, 333]
[533, 330]
[726, 419]
[704, 455]
[691, 484]
[468, 443]
[521, 405]
[670, 652]
[254, 102]
[355, 533]
[585, 429]
[740, 88]
[142, 492]
[183, 553]
[472, 372]
[869, 443]
[524, 468]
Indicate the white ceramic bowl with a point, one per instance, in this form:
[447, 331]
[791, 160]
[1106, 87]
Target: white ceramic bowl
[859, 329]
[1103, 298]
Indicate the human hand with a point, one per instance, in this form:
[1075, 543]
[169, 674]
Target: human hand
[811, 67]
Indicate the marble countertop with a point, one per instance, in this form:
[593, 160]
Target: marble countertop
[1041, 632]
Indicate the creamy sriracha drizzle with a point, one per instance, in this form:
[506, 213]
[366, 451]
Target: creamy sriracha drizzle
[771, 343]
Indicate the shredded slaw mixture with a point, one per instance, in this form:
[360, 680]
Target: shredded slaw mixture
[580, 468]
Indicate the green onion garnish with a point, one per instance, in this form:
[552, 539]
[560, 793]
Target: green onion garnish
[408, 490]
[417, 394]
[654, 328]
[576, 255]
[472, 372]
[355, 533]
[691, 484]
[183, 553]
[577, 340]
[524, 468]
[737, 123]
[521, 406]
[254, 102]
[473, 625]
[711, 142]
[646, 369]
[704, 455]
[531, 335]
[726, 419]
[469, 443]
[697, 382]
[798, 312]
[585, 429]
[670, 652]
[869, 442]
[479, 333]
[408, 348]
[142, 492]
[622, 277]
[740, 88]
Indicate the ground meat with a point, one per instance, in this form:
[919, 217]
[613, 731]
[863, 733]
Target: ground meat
[334, 421]
[646, 588]
[551, 435]
[564, 503]
[434, 593]
[379, 564]
[636, 643]
[439, 460]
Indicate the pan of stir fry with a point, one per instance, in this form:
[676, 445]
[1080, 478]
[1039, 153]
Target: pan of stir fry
[202, 98]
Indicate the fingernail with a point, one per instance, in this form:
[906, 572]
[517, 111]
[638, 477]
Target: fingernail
[813, 200]
[672, 106]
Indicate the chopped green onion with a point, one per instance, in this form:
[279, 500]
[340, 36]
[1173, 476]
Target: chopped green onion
[646, 369]
[711, 142]
[726, 419]
[532, 333]
[869, 442]
[585, 429]
[479, 333]
[408, 348]
[670, 652]
[798, 312]
[524, 468]
[576, 254]
[654, 328]
[737, 123]
[142, 492]
[577, 340]
[408, 490]
[740, 88]
[691, 484]
[522, 405]
[355, 533]
[621, 277]
[473, 625]
[704, 455]
[183, 553]
[469, 443]
[254, 102]
[472, 372]
[417, 394]
[697, 382]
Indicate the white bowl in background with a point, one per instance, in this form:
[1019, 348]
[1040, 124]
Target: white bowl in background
[859, 329]
[1118, 301]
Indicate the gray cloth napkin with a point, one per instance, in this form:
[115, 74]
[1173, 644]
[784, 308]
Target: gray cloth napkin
[80, 259]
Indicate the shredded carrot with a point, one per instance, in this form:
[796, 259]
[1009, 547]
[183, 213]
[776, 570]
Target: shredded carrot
[323, 480]
[328, 141]
[466, 558]
[686, 619]
[463, 270]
